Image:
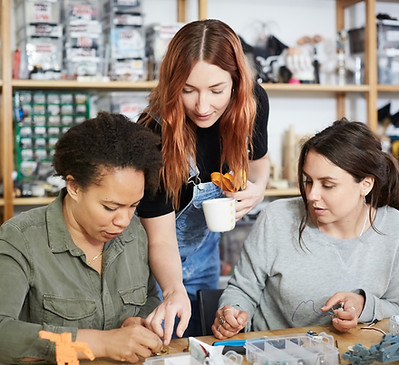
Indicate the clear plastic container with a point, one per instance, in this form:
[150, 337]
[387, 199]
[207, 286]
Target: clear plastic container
[394, 325]
[176, 359]
[293, 350]
[230, 358]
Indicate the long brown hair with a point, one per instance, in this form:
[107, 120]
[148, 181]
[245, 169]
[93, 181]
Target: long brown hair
[353, 147]
[216, 43]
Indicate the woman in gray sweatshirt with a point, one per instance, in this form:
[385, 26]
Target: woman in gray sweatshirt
[336, 246]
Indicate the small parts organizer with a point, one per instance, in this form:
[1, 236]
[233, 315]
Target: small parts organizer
[298, 349]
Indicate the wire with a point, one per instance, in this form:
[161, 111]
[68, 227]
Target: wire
[369, 327]
[372, 323]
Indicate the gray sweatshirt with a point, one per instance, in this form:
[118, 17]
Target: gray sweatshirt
[281, 285]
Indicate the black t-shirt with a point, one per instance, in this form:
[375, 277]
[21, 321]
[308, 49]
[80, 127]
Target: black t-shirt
[208, 157]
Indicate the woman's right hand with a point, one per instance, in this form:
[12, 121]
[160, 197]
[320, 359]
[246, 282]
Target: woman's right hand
[128, 344]
[351, 307]
[174, 304]
[228, 322]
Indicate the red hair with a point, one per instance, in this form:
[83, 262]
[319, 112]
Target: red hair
[214, 42]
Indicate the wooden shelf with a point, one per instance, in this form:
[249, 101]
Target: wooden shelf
[316, 88]
[388, 88]
[82, 85]
[33, 201]
[282, 192]
[29, 201]
[347, 3]
[148, 85]
[48, 200]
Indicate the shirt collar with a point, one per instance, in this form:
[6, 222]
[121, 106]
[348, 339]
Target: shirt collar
[59, 238]
[58, 235]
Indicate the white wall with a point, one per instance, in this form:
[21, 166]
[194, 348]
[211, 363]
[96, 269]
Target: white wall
[288, 20]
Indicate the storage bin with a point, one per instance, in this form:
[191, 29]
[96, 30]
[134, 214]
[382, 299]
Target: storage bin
[292, 350]
[387, 37]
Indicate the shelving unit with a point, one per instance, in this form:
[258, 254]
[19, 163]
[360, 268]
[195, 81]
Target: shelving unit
[7, 86]
[6, 128]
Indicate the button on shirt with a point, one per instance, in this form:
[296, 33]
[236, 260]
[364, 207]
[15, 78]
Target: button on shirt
[46, 284]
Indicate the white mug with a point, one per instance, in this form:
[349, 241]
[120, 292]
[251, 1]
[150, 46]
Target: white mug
[220, 214]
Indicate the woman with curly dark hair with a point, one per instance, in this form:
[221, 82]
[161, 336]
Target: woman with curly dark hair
[80, 264]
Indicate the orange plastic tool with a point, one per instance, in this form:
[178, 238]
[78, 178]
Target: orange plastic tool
[226, 181]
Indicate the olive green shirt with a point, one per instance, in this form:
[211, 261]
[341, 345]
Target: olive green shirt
[46, 284]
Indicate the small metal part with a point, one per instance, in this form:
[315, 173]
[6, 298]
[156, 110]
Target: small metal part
[164, 351]
[335, 307]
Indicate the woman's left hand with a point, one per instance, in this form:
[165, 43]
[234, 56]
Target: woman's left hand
[254, 192]
[228, 322]
[350, 307]
[174, 304]
[247, 199]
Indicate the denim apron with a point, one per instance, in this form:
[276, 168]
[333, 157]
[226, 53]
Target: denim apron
[198, 247]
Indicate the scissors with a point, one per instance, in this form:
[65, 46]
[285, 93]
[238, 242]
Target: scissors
[232, 345]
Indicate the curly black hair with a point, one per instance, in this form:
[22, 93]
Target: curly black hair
[108, 141]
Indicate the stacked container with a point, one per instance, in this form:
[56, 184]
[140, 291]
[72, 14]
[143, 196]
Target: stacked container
[40, 119]
[39, 38]
[83, 39]
[123, 23]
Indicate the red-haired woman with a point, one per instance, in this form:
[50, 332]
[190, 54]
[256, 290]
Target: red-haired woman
[212, 117]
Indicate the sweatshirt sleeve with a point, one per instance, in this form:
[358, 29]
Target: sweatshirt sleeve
[385, 260]
[378, 308]
[248, 281]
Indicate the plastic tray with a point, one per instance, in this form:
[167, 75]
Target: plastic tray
[177, 359]
[394, 325]
[230, 358]
[300, 349]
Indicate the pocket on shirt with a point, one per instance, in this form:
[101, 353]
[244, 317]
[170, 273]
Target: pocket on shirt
[134, 296]
[68, 311]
